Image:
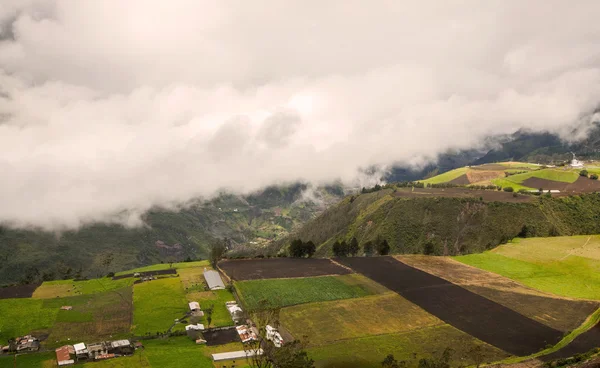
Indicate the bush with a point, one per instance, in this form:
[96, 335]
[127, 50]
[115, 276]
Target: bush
[583, 172]
[594, 177]
[508, 189]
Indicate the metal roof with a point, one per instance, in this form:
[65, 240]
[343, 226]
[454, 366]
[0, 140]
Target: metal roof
[194, 305]
[213, 279]
[119, 343]
[235, 355]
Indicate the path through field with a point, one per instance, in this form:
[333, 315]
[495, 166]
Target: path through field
[459, 307]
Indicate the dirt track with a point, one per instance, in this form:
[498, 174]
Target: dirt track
[272, 268]
[465, 310]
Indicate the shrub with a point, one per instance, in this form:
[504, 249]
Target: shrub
[594, 177]
[508, 189]
[583, 172]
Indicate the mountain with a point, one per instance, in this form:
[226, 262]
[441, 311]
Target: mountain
[31, 256]
[447, 221]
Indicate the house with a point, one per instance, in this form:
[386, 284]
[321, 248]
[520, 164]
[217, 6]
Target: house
[273, 335]
[235, 311]
[81, 351]
[27, 343]
[98, 348]
[193, 331]
[213, 280]
[66, 307]
[121, 347]
[246, 334]
[65, 355]
[194, 306]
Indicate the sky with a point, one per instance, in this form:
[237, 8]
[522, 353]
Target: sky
[110, 108]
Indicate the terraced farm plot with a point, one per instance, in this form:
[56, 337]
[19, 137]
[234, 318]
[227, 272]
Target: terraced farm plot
[18, 291]
[94, 317]
[467, 311]
[64, 288]
[566, 266]
[326, 322]
[271, 268]
[558, 313]
[368, 352]
[447, 176]
[156, 304]
[285, 292]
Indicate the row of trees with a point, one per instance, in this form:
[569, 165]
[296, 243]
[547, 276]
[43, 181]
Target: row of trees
[300, 249]
[343, 249]
[585, 173]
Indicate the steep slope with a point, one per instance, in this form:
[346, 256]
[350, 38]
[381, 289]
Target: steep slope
[31, 256]
[446, 225]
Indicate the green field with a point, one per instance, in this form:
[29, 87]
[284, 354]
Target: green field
[567, 266]
[286, 292]
[368, 352]
[352, 318]
[64, 288]
[176, 353]
[565, 176]
[447, 176]
[165, 266]
[156, 304]
[505, 183]
[37, 360]
[22, 316]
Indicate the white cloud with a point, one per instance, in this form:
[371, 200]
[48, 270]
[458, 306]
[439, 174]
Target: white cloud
[111, 107]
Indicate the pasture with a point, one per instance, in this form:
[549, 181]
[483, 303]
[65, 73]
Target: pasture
[217, 300]
[276, 293]
[64, 288]
[22, 316]
[37, 360]
[368, 352]
[352, 318]
[156, 304]
[165, 266]
[447, 176]
[566, 266]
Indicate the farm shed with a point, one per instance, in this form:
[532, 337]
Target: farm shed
[121, 347]
[194, 306]
[235, 355]
[65, 355]
[81, 350]
[213, 280]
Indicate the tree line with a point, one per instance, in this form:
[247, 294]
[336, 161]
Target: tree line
[343, 249]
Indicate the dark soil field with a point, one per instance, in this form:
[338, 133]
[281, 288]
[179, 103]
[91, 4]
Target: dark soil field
[459, 307]
[221, 337]
[274, 268]
[545, 184]
[487, 195]
[582, 344]
[18, 291]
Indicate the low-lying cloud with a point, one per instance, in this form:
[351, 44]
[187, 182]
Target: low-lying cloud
[108, 108]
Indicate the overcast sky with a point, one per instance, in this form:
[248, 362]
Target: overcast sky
[110, 107]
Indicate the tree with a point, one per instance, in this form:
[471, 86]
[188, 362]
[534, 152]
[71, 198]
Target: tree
[208, 313]
[594, 177]
[583, 172]
[353, 248]
[217, 251]
[291, 355]
[383, 247]
[337, 249]
[508, 189]
[437, 362]
[429, 248]
[296, 248]
[310, 248]
[369, 248]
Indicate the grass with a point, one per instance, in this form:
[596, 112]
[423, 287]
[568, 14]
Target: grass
[138, 360]
[368, 352]
[64, 288]
[565, 176]
[220, 316]
[192, 278]
[175, 353]
[165, 266]
[94, 317]
[504, 183]
[286, 292]
[326, 322]
[447, 176]
[22, 316]
[35, 360]
[156, 304]
[553, 265]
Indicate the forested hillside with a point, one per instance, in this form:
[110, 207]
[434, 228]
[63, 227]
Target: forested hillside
[446, 225]
[32, 256]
